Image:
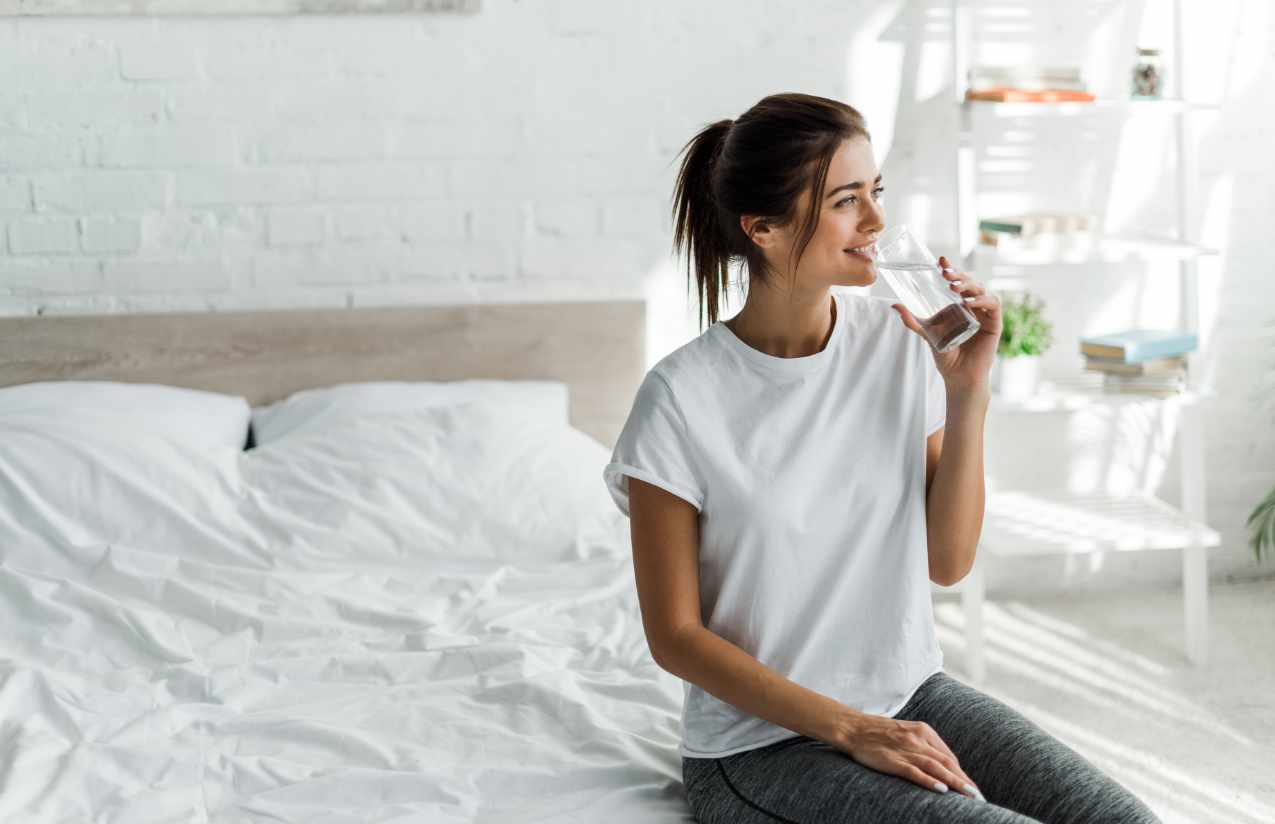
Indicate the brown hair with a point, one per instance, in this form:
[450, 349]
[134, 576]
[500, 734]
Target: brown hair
[757, 165]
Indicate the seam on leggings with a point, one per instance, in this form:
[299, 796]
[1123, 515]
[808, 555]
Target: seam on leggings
[740, 796]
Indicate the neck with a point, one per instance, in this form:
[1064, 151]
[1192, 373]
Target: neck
[781, 327]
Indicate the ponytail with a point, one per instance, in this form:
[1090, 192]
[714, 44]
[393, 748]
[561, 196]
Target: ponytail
[697, 218]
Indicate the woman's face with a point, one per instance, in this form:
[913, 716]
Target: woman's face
[851, 216]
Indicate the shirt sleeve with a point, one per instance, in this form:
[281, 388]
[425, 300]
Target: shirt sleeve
[935, 396]
[654, 446]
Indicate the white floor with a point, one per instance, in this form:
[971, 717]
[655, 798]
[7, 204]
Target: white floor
[1106, 674]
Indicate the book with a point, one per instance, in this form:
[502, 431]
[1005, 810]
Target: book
[1006, 94]
[1026, 78]
[1145, 383]
[1143, 380]
[1035, 223]
[1157, 385]
[1137, 345]
[1155, 366]
[1157, 393]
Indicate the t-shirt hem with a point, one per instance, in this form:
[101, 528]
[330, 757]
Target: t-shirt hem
[784, 736]
[938, 667]
[617, 468]
[687, 753]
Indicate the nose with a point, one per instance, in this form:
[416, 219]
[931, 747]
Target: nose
[873, 219]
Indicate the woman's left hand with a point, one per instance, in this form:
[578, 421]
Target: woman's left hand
[970, 364]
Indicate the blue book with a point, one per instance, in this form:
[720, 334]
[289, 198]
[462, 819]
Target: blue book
[1136, 345]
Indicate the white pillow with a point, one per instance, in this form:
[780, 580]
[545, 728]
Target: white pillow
[324, 407]
[194, 417]
[467, 481]
[76, 482]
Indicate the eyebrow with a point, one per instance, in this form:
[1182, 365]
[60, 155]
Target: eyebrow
[858, 184]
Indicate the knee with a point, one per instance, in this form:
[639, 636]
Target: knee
[1116, 805]
[1131, 810]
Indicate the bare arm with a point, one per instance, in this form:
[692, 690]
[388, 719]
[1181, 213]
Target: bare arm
[955, 492]
[665, 532]
[727, 672]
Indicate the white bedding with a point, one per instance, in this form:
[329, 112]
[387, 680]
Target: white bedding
[312, 631]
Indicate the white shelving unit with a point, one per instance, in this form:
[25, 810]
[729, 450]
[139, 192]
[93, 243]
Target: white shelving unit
[1022, 524]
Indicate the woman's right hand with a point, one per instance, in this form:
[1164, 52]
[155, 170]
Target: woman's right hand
[908, 749]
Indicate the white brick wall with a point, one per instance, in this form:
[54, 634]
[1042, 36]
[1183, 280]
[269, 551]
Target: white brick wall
[97, 191]
[291, 226]
[111, 234]
[528, 153]
[43, 235]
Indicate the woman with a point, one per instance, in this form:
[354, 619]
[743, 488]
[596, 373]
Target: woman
[795, 477]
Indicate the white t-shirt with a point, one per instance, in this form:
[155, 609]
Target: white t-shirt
[809, 477]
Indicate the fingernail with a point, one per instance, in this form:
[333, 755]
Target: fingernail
[940, 786]
[972, 790]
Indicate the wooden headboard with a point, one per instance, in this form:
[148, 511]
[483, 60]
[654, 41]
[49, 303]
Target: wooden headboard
[597, 348]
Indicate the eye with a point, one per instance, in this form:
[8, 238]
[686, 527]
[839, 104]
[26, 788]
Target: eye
[876, 195]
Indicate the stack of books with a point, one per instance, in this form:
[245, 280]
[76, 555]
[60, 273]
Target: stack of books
[1024, 83]
[1141, 361]
[1029, 225]
[1047, 235]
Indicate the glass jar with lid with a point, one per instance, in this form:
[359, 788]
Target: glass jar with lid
[1148, 75]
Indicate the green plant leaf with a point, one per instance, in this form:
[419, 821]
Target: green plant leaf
[1262, 521]
[1025, 330]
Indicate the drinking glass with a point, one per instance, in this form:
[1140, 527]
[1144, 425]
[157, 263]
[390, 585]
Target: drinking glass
[913, 273]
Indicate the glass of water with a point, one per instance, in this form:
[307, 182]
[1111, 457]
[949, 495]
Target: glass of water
[913, 273]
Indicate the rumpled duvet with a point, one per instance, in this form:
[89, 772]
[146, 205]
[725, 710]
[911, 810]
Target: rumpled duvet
[428, 617]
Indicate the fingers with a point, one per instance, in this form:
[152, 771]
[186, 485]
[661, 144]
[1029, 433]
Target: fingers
[961, 782]
[929, 773]
[922, 778]
[973, 293]
[916, 752]
[969, 287]
[952, 779]
[949, 760]
[985, 303]
[961, 282]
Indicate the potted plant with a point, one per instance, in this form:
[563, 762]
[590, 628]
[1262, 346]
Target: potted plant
[1025, 336]
[1262, 522]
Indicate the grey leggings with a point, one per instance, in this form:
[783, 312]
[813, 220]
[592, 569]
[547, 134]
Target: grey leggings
[1026, 775]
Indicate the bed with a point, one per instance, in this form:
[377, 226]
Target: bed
[390, 607]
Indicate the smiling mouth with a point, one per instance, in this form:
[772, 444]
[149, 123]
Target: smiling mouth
[867, 251]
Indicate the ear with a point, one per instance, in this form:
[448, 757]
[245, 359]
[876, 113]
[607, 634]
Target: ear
[758, 230]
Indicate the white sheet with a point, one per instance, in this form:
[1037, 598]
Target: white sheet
[271, 651]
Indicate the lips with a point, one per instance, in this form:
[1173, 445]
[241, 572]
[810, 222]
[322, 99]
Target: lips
[868, 251]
